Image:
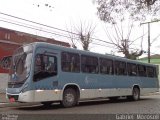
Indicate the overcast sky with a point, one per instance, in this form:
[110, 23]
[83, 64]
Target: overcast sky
[61, 13]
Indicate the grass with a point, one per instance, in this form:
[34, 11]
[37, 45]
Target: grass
[153, 61]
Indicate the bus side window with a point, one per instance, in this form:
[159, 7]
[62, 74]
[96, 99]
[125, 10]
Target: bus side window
[156, 72]
[89, 64]
[38, 63]
[51, 65]
[132, 69]
[106, 66]
[120, 68]
[142, 70]
[70, 62]
[45, 66]
[151, 72]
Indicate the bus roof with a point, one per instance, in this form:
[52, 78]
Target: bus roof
[109, 56]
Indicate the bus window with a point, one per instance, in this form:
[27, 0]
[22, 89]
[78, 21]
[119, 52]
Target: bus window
[142, 70]
[89, 64]
[106, 66]
[132, 69]
[150, 72]
[70, 62]
[156, 71]
[120, 68]
[45, 66]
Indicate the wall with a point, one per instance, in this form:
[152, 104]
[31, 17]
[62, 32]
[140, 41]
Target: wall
[3, 82]
[6, 49]
[25, 38]
[159, 74]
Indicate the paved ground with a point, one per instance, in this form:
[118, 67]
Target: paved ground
[86, 110]
[147, 104]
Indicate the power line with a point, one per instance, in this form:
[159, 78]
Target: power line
[47, 31]
[36, 23]
[53, 33]
[101, 45]
[137, 38]
[149, 42]
[13, 21]
[34, 28]
[50, 26]
[155, 39]
[22, 24]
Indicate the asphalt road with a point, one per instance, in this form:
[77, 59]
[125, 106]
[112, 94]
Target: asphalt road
[146, 105]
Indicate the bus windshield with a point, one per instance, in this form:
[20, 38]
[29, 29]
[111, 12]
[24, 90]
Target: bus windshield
[21, 63]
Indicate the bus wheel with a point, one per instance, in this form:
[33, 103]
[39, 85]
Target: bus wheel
[135, 94]
[69, 98]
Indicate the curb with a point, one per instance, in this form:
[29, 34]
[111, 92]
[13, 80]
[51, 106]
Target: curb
[3, 105]
[156, 93]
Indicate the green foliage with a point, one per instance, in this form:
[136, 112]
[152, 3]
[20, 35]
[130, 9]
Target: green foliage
[113, 10]
[119, 11]
[153, 61]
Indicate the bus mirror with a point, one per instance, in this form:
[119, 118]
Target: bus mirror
[5, 63]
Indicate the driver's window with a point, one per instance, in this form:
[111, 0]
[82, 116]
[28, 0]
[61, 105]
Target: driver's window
[45, 66]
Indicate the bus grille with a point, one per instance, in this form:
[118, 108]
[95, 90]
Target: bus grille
[13, 96]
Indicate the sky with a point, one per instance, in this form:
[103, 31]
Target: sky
[64, 13]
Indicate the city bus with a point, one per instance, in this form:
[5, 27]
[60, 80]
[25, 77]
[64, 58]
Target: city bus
[47, 73]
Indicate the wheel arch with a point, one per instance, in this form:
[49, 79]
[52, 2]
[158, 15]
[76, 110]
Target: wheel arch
[136, 86]
[71, 85]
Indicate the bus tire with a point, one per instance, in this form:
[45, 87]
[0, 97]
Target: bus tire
[69, 98]
[135, 94]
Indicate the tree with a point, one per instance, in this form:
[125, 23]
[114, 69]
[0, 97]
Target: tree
[111, 10]
[72, 36]
[147, 2]
[124, 48]
[117, 11]
[122, 41]
[83, 33]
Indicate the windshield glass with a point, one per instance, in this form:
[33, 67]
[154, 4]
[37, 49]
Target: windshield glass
[21, 63]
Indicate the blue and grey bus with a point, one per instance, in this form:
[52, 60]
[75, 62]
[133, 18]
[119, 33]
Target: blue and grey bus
[47, 73]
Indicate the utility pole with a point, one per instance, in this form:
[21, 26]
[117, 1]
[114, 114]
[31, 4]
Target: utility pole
[149, 42]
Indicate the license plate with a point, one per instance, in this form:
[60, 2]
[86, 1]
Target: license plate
[12, 100]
